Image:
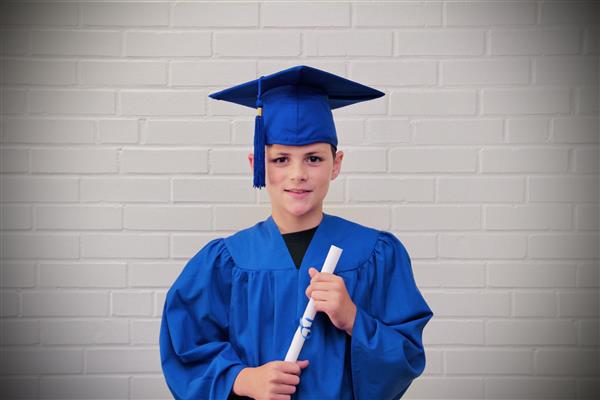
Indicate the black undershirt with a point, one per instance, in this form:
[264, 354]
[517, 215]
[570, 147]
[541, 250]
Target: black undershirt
[297, 243]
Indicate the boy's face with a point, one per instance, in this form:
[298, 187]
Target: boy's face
[297, 177]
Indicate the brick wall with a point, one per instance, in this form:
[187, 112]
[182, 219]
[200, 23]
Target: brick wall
[482, 158]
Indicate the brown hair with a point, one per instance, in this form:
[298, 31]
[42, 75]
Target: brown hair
[333, 151]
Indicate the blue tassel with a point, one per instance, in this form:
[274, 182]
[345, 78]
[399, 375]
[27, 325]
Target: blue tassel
[259, 153]
[259, 142]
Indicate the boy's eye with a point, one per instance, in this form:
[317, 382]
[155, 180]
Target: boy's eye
[312, 159]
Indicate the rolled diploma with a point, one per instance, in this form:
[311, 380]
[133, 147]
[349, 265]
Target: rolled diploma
[309, 313]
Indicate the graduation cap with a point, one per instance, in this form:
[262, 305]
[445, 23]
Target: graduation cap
[294, 108]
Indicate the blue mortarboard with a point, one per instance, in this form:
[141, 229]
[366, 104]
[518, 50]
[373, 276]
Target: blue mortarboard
[294, 108]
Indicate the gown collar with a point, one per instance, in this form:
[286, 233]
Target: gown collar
[317, 249]
[315, 255]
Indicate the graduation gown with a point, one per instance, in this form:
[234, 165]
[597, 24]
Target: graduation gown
[238, 302]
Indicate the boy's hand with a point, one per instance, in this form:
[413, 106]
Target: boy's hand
[331, 296]
[275, 380]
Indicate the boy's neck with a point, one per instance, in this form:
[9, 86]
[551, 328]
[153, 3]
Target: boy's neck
[288, 224]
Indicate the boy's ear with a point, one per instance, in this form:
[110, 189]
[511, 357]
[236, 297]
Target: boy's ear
[337, 164]
[251, 159]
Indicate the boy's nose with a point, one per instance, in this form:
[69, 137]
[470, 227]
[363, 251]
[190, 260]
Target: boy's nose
[299, 173]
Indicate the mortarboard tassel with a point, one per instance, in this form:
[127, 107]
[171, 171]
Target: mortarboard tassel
[259, 143]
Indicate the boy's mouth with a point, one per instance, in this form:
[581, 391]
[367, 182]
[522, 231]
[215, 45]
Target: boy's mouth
[297, 190]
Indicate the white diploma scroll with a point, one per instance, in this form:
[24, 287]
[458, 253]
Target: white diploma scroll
[309, 313]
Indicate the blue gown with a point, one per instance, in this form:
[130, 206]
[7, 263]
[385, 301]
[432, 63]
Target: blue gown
[238, 301]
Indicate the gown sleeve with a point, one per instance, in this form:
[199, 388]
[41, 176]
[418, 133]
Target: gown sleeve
[198, 361]
[386, 343]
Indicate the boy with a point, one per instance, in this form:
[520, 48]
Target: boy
[230, 316]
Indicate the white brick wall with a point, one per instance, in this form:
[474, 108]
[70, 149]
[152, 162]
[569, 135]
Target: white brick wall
[482, 158]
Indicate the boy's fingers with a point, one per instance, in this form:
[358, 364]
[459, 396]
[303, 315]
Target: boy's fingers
[288, 379]
[323, 285]
[294, 367]
[322, 305]
[322, 276]
[319, 287]
[319, 295]
[326, 277]
[290, 367]
[279, 397]
[286, 389]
